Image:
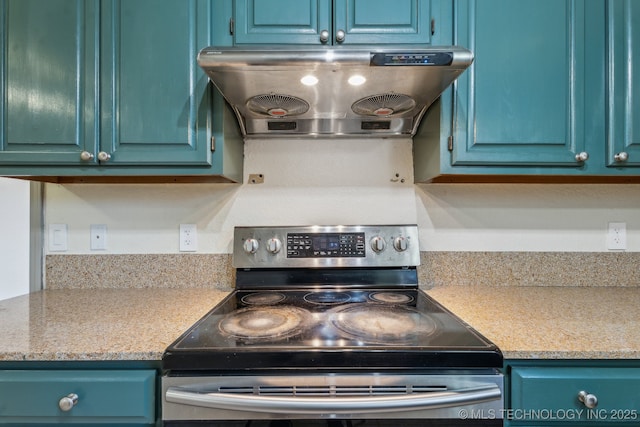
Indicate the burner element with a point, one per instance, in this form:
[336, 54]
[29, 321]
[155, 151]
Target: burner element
[382, 323]
[327, 298]
[263, 298]
[265, 322]
[390, 297]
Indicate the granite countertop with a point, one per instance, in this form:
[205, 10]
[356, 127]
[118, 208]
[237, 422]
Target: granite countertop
[99, 324]
[138, 324]
[543, 322]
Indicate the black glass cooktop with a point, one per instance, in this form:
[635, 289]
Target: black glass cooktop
[329, 329]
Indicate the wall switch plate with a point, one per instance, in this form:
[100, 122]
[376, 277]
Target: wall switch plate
[98, 233]
[58, 237]
[188, 238]
[617, 236]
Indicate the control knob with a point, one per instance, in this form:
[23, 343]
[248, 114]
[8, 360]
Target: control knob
[250, 246]
[274, 245]
[401, 243]
[377, 244]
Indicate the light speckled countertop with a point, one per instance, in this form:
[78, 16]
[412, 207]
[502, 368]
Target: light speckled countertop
[99, 324]
[138, 324]
[530, 322]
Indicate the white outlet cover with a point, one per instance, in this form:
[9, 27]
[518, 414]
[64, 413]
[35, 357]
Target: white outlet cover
[188, 238]
[58, 237]
[98, 233]
[617, 236]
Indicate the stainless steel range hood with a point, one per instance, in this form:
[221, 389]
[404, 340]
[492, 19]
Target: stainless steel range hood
[332, 91]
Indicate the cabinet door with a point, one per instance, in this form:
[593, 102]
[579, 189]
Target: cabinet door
[155, 106]
[101, 397]
[623, 45]
[281, 21]
[549, 395]
[47, 76]
[381, 21]
[523, 101]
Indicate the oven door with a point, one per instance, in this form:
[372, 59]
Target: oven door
[468, 397]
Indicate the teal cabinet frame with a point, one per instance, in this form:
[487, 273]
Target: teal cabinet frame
[548, 98]
[104, 396]
[522, 102]
[623, 112]
[303, 21]
[85, 80]
[155, 107]
[48, 72]
[545, 392]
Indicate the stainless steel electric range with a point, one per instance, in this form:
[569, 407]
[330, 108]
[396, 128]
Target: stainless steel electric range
[327, 326]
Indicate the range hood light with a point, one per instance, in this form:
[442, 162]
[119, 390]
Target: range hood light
[309, 80]
[323, 91]
[356, 80]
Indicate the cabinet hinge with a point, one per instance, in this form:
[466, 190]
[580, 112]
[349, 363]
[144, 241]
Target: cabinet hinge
[213, 143]
[450, 143]
[433, 26]
[232, 26]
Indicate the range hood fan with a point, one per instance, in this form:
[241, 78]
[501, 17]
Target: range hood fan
[277, 105]
[332, 91]
[383, 105]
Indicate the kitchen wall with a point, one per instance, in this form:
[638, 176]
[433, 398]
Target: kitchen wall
[345, 181]
[14, 240]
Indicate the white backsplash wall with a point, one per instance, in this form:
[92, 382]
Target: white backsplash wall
[335, 181]
[342, 181]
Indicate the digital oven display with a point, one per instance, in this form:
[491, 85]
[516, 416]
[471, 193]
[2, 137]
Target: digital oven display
[325, 245]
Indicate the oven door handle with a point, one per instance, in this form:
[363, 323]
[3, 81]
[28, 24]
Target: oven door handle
[334, 405]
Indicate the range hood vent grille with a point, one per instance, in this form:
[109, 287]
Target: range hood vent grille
[332, 91]
[277, 105]
[383, 105]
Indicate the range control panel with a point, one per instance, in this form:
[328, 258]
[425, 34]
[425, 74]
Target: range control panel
[323, 245]
[326, 246]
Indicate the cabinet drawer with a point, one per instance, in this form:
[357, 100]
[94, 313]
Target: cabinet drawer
[549, 395]
[104, 396]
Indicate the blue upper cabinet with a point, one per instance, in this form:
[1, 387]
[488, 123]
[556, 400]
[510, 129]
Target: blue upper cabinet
[317, 22]
[382, 21]
[154, 101]
[48, 72]
[111, 88]
[523, 100]
[623, 44]
[281, 21]
[551, 92]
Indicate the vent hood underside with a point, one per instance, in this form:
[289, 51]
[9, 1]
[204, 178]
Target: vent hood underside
[396, 86]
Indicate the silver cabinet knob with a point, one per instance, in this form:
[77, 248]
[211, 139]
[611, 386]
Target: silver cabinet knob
[400, 243]
[589, 400]
[274, 245]
[324, 36]
[582, 157]
[68, 402]
[377, 244]
[250, 246]
[622, 156]
[104, 156]
[340, 36]
[85, 156]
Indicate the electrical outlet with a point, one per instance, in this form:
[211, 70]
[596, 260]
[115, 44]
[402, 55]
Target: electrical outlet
[98, 236]
[617, 236]
[188, 238]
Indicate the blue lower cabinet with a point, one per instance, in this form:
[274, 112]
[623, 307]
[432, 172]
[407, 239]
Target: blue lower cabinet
[117, 397]
[573, 393]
